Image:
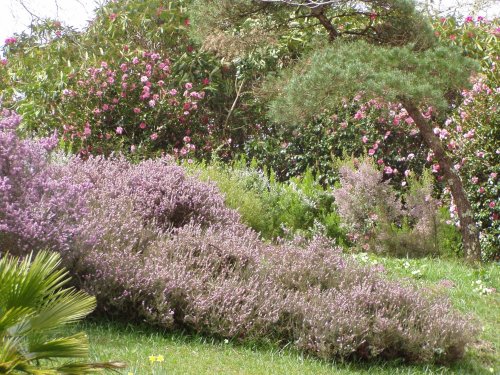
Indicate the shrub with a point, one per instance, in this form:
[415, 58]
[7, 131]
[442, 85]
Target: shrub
[226, 283]
[299, 206]
[131, 103]
[33, 306]
[377, 221]
[155, 245]
[50, 204]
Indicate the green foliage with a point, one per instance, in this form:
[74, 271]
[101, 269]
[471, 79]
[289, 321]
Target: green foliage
[300, 206]
[33, 307]
[342, 70]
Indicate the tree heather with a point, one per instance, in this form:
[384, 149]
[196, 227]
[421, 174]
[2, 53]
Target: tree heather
[155, 245]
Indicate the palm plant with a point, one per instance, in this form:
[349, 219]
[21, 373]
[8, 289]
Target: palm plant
[34, 305]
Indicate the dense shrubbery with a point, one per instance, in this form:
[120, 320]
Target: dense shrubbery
[130, 103]
[299, 206]
[387, 134]
[377, 219]
[155, 245]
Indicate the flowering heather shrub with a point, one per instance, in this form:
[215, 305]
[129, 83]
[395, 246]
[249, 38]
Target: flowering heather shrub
[39, 205]
[157, 246]
[364, 200]
[377, 221]
[48, 204]
[223, 281]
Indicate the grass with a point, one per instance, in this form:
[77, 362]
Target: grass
[184, 354]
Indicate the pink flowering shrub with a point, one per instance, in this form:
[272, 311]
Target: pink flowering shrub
[224, 281]
[47, 203]
[155, 245]
[376, 219]
[473, 130]
[130, 103]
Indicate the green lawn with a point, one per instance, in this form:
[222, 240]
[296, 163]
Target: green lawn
[197, 355]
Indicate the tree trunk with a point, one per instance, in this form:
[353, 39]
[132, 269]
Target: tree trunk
[468, 228]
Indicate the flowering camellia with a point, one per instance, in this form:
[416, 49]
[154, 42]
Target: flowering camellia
[128, 102]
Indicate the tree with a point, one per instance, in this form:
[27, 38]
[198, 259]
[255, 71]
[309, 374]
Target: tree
[384, 49]
[34, 305]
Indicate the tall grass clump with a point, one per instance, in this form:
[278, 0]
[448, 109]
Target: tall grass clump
[155, 245]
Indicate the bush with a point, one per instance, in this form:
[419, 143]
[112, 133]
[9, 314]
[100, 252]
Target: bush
[225, 282]
[376, 219]
[299, 206]
[50, 204]
[131, 103]
[155, 245]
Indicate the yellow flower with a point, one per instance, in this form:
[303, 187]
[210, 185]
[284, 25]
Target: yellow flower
[160, 358]
[152, 358]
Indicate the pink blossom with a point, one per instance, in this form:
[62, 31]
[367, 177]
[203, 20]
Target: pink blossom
[435, 168]
[105, 107]
[152, 103]
[154, 136]
[144, 79]
[364, 139]
[186, 139]
[135, 61]
[481, 190]
[470, 134]
[443, 134]
[411, 156]
[137, 110]
[160, 83]
[173, 92]
[188, 86]
[480, 154]
[437, 131]
[10, 41]
[86, 130]
[119, 130]
[388, 170]
[380, 162]
[142, 125]
[407, 173]
[387, 134]
[3, 62]
[359, 115]
[469, 19]
[492, 204]
[493, 175]
[371, 152]
[474, 180]
[457, 167]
